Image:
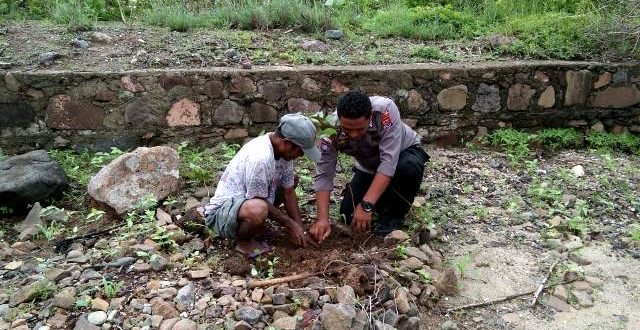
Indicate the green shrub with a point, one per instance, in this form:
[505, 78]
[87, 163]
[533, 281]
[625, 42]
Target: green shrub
[550, 35]
[513, 142]
[560, 138]
[627, 142]
[437, 22]
[175, 17]
[251, 14]
[77, 15]
[431, 53]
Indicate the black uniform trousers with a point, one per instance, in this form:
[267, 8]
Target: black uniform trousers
[395, 202]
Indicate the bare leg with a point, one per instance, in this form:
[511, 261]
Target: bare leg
[251, 218]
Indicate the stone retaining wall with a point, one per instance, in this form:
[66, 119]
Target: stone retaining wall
[445, 103]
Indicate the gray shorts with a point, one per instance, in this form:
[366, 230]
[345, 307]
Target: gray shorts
[224, 221]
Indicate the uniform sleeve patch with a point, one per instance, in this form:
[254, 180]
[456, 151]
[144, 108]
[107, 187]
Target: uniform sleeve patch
[325, 144]
[387, 122]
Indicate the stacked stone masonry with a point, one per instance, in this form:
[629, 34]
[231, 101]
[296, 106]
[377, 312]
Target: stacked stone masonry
[444, 103]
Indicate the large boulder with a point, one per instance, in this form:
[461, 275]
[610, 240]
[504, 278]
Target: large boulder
[129, 178]
[30, 178]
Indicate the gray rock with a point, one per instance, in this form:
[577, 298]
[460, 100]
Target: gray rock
[561, 293]
[3, 310]
[76, 256]
[580, 260]
[97, 318]
[411, 263]
[448, 325]
[286, 308]
[48, 57]
[390, 317]
[83, 324]
[32, 224]
[558, 304]
[379, 325]
[164, 309]
[100, 37]
[240, 325]
[346, 295]
[396, 237]
[185, 324]
[446, 282]
[286, 323]
[584, 298]
[411, 323]
[121, 262]
[402, 301]
[232, 54]
[168, 324]
[279, 298]
[333, 34]
[337, 316]
[65, 299]
[487, 99]
[620, 76]
[413, 251]
[90, 274]
[306, 298]
[29, 178]
[5, 65]
[185, 297]
[28, 292]
[129, 178]
[248, 314]
[314, 46]
[80, 43]
[159, 263]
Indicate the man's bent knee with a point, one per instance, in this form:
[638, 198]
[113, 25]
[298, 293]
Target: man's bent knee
[253, 211]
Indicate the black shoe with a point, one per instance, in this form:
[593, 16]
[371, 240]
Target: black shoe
[383, 228]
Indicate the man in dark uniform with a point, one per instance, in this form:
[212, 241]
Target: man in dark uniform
[387, 173]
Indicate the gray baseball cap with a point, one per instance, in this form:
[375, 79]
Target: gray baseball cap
[300, 130]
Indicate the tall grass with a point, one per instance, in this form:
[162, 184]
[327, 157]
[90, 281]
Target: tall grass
[174, 16]
[306, 16]
[564, 29]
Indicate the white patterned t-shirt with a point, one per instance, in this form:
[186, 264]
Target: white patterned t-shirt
[253, 172]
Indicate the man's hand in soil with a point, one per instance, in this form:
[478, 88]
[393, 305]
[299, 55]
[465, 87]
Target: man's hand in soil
[296, 233]
[361, 220]
[320, 230]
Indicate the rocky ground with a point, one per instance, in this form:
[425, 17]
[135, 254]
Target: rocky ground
[482, 229]
[33, 45]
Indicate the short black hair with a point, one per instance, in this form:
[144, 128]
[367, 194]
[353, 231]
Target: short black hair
[355, 104]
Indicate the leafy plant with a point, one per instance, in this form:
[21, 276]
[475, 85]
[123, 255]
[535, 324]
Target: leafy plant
[51, 231]
[401, 251]
[481, 212]
[5, 210]
[421, 217]
[431, 53]
[100, 158]
[325, 123]
[95, 215]
[544, 192]
[110, 289]
[164, 238]
[635, 233]
[462, 264]
[514, 143]
[82, 303]
[271, 263]
[560, 138]
[425, 276]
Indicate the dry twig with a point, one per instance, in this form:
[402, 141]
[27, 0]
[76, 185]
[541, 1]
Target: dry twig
[509, 297]
[541, 286]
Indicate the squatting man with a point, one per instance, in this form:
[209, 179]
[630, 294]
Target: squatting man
[389, 165]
